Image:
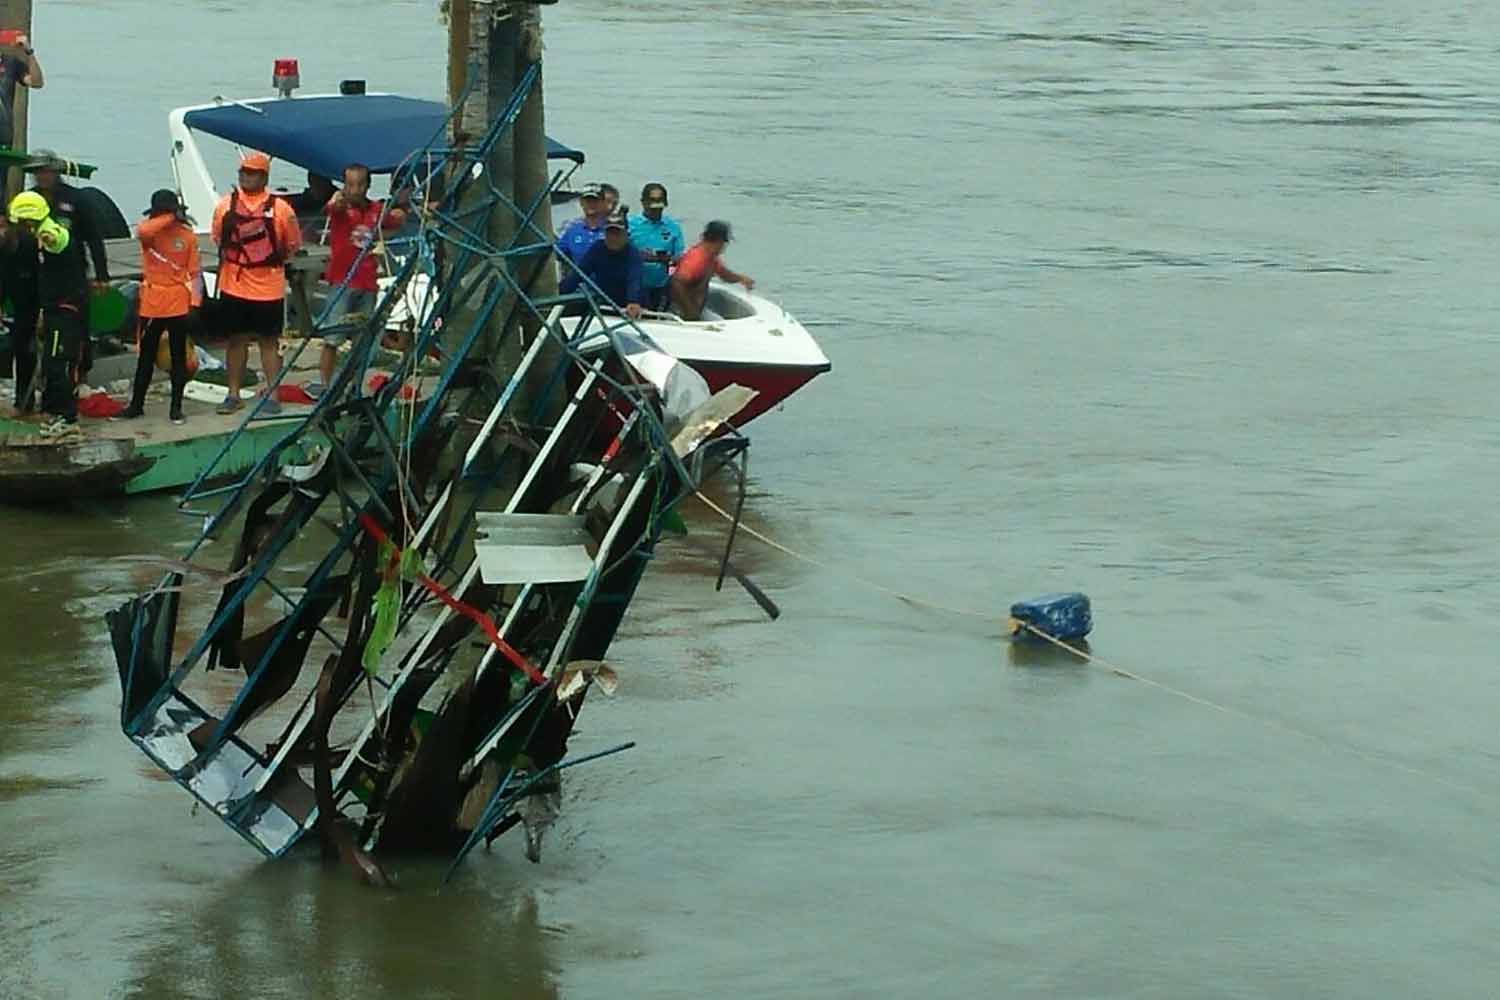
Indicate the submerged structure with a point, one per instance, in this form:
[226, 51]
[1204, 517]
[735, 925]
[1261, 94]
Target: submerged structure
[477, 532]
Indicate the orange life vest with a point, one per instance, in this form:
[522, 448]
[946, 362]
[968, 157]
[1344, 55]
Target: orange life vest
[249, 238]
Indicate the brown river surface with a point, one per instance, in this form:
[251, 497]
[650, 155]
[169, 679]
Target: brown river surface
[1189, 306]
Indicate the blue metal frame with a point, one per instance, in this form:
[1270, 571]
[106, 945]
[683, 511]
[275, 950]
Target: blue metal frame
[478, 279]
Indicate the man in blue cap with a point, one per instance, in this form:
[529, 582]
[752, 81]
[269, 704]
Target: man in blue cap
[580, 234]
[613, 264]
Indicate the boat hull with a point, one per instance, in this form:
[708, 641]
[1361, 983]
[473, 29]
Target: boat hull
[772, 383]
[745, 340]
[179, 460]
[148, 455]
[39, 471]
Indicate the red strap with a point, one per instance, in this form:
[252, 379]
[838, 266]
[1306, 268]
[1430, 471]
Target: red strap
[484, 621]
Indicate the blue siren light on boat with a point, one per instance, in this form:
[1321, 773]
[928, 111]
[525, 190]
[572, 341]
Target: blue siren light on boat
[1061, 616]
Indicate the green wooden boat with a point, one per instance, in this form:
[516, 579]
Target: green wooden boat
[118, 457]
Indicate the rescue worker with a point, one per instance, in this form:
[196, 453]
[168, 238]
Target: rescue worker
[705, 260]
[613, 264]
[580, 234]
[73, 210]
[171, 288]
[658, 237]
[256, 233]
[353, 222]
[62, 285]
[16, 67]
[18, 283]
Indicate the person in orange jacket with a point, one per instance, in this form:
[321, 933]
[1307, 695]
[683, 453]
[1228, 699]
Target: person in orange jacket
[257, 234]
[171, 289]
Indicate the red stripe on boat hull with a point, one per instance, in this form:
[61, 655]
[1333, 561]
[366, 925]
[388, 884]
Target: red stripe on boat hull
[773, 383]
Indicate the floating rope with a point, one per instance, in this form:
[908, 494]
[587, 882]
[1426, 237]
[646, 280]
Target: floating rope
[1015, 625]
[907, 598]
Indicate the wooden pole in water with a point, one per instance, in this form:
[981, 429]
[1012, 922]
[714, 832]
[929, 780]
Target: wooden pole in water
[496, 41]
[15, 15]
[458, 48]
[499, 78]
[531, 180]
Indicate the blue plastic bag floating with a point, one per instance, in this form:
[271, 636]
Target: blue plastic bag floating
[1062, 616]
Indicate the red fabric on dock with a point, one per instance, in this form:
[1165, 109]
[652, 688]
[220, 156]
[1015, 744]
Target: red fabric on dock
[100, 406]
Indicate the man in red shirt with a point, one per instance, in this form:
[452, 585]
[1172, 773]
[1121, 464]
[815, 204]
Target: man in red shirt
[353, 222]
[689, 283]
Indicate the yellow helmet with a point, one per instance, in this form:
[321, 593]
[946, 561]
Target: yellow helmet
[30, 206]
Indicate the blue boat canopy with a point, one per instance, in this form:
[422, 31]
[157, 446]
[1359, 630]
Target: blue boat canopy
[326, 134]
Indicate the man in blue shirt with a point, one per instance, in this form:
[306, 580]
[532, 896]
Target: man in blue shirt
[580, 234]
[659, 239]
[612, 264]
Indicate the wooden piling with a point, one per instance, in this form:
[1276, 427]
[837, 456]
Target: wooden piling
[497, 40]
[458, 48]
[532, 176]
[16, 15]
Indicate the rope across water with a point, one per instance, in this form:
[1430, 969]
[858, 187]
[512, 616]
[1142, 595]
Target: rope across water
[1099, 662]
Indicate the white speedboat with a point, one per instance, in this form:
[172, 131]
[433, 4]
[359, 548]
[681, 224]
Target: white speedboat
[743, 338]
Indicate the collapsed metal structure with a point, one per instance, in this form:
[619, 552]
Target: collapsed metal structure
[463, 606]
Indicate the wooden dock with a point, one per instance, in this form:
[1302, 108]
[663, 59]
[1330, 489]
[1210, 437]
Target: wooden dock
[165, 455]
[130, 456]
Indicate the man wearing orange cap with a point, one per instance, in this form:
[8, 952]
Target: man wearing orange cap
[256, 233]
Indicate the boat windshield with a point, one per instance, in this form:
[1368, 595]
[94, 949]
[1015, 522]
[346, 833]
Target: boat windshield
[724, 304]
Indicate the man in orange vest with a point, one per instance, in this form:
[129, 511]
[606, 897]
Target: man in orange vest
[256, 233]
[170, 289]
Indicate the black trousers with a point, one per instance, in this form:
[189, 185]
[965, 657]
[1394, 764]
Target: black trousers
[177, 334]
[62, 338]
[656, 299]
[23, 353]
